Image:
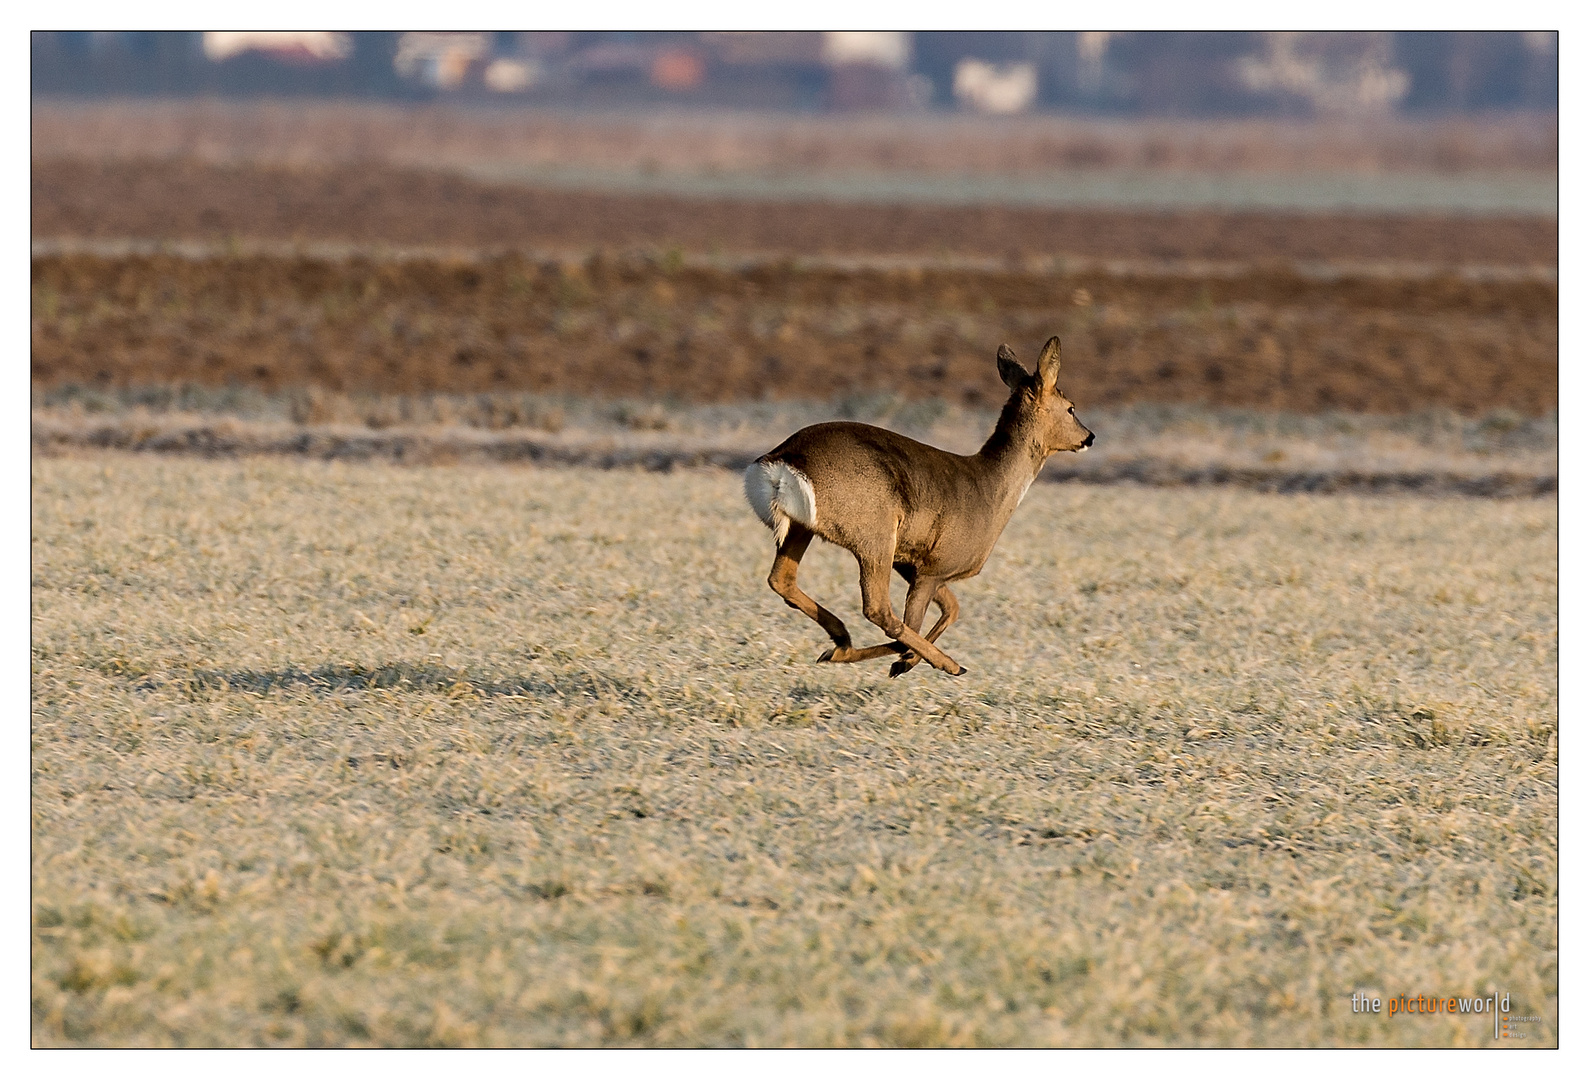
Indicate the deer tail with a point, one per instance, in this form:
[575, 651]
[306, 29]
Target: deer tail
[780, 493]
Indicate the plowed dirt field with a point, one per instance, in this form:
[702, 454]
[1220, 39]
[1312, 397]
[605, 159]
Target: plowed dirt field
[636, 327]
[382, 205]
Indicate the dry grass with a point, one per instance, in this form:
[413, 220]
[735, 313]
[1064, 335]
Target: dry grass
[327, 754]
[1498, 454]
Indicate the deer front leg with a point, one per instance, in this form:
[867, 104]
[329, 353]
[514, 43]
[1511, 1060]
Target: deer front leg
[948, 612]
[782, 579]
[916, 600]
[880, 611]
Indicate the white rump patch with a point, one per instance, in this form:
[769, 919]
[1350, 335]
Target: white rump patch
[779, 493]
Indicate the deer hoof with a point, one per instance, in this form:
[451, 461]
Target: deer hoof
[899, 668]
[960, 669]
[827, 657]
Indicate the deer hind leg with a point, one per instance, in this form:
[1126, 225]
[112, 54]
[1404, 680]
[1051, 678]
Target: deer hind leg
[948, 612]
[880, 611]
[782, 579]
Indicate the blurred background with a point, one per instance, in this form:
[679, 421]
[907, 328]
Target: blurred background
[1003, 72]
[1289, 253]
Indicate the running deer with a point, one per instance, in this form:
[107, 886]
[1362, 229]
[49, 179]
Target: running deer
[895, 503]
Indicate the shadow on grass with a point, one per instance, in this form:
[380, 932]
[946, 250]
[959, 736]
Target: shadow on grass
[417, 678]
[852, 700]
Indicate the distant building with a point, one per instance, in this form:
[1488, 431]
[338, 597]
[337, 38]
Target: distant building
[1336, 74]
[288, 46]
[996, 88]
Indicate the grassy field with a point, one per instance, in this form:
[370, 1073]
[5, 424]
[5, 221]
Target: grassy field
[305, 132]
[331, 754]
[1433, 452]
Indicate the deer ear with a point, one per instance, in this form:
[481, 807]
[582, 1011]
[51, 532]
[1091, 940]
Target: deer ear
[1048, 364]
[1010, 369]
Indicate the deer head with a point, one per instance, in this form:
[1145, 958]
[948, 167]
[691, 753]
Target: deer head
[1037, 404]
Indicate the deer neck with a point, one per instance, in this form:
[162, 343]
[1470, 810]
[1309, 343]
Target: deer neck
[1011, 459]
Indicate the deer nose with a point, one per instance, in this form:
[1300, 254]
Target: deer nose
[1088, 440]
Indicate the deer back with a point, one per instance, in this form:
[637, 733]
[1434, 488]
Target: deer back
[871, 488]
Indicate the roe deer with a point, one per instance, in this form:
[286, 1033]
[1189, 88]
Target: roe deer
[896, 503]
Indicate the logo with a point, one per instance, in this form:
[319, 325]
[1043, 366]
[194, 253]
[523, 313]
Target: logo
[1497, 1006]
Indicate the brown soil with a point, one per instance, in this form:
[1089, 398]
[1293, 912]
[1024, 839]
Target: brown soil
[636, 327]
[371, 204]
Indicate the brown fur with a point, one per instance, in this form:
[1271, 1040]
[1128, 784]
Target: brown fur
[930, 515]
